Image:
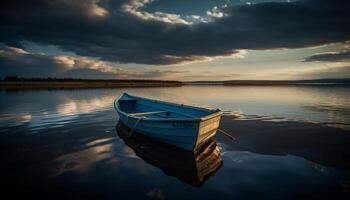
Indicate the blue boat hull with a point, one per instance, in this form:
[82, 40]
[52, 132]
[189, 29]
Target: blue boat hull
[168, 132]
[185, 132]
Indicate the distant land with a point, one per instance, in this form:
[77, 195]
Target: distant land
[274, 82]
[57, 83]
[74, 83]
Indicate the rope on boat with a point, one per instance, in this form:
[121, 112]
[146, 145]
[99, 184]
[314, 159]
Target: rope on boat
[228, 135]
[137, 122]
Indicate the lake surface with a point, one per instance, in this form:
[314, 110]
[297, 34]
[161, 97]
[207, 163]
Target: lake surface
[292, 142]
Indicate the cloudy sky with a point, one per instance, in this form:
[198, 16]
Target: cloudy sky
[175, 40]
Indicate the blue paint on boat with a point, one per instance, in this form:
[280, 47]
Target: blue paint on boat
[177, 124]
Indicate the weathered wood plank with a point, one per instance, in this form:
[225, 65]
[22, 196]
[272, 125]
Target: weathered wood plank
[149, 113]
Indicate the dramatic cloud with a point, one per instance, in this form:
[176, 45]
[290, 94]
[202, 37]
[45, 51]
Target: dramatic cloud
[17, 62]
[133, 7]
[120, 31]
[330, 57]
[216, 12]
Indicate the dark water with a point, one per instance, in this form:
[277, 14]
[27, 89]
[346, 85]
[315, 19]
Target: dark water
[291, 143]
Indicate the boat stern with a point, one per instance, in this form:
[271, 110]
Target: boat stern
[208, 127]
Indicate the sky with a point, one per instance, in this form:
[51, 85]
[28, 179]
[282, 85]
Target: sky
[186, 40]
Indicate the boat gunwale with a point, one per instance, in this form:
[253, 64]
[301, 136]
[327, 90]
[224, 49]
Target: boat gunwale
[216, 113]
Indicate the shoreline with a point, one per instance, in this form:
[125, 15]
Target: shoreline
[84, 84]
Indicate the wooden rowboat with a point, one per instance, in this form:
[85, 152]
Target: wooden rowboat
[177, 124]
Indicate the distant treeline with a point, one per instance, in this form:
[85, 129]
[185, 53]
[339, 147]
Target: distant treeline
[13, 82]
[54, 79]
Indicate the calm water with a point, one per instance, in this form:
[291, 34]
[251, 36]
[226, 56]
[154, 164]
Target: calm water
[292, 143]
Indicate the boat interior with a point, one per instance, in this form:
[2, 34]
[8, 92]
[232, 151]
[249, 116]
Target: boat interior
[147, 108]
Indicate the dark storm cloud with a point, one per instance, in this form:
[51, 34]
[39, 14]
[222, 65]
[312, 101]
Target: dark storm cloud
[330, 57]
[105, 30]
[17, 62]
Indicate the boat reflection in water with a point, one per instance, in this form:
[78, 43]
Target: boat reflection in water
[192, 167]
